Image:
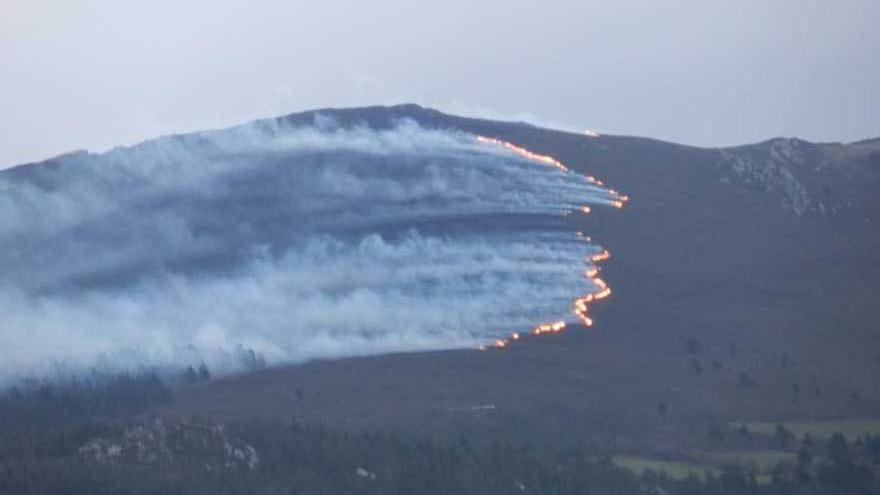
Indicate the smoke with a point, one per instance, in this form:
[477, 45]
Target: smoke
[281, 243]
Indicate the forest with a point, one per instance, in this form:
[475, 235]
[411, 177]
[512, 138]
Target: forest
[100, 434]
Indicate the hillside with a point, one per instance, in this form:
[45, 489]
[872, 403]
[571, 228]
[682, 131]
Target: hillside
[760, 254]
[744, 291]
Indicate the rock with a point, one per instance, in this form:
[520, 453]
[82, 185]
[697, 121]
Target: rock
[154, 443]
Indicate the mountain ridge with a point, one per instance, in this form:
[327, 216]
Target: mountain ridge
[383, 114]
[729, 248]
[808, 178]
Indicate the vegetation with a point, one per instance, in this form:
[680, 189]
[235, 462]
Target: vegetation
[47, 420]
[678, 470]
[851, 429]
[52, 431]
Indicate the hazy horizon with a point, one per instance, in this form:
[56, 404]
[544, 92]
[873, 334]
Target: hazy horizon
[95, 74]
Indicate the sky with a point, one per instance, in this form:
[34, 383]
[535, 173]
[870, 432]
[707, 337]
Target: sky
[93, 74]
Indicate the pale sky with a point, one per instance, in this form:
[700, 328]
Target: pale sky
[97, 73]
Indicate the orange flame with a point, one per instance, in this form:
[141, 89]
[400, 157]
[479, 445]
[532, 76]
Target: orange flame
[549, 328]
[549, 160]
[598, 258]
[581, 304]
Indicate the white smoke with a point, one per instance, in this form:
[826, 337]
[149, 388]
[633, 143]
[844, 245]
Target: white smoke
[288, 243]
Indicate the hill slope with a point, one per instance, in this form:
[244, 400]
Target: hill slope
[745, 289]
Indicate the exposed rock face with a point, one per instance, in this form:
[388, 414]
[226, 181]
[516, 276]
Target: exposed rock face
[773, 167]
[206, 443]
[807, 177]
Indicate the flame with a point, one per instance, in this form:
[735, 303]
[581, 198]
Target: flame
[591, 133]
[581, 304]
[598, 258]
[602, 294]
[555, 327]
[549, 160]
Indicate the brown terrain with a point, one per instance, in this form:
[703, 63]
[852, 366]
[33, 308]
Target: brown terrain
[746, 286]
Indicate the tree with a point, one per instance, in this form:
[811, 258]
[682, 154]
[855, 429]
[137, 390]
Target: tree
[807, 440]
[838, 448]
[733, 349]
[783, 435]
[786, 361]
[805, 461]
[204, 374]
[190, 375]
[692, 345]
[251, 359]
[872, 447]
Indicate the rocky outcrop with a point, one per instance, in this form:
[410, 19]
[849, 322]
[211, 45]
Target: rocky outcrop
[774, 168]
[202, 442]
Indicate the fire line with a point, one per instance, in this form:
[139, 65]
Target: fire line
[581, 304]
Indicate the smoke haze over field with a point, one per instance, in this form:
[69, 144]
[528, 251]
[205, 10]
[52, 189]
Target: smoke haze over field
[98, 73]
[283, 242]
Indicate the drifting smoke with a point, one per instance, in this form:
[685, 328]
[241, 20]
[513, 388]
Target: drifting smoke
[268, 241]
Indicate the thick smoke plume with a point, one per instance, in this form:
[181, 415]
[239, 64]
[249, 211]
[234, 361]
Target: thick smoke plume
[280, 243]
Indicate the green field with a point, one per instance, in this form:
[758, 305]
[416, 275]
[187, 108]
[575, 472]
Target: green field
[759, 462]
[851, 429]
[673, 469]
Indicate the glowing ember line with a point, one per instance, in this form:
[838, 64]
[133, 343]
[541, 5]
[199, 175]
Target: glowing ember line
[549, 328]
[598, 258]
[581, 304]
[549, 160]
